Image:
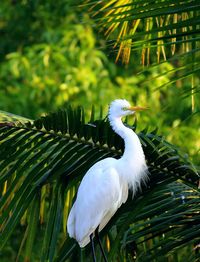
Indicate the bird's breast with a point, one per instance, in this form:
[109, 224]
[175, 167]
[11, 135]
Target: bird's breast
[133, 171]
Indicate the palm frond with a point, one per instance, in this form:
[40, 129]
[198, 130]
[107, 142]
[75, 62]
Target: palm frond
[149, 25]
[42, 162]
[6, 117]
[153, 32]
[172, 226]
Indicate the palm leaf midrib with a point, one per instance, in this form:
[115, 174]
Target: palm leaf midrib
[67, 137]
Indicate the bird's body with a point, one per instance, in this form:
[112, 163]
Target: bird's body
[105, 185]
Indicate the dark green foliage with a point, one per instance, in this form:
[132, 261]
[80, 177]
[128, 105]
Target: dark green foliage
[41, 164]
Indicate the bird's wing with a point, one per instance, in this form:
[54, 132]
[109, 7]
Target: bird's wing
[98, 197]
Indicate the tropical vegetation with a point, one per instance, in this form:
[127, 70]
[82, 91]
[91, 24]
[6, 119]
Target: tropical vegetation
[62, 58]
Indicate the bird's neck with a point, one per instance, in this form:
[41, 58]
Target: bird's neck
[132, 166]
[131, 140]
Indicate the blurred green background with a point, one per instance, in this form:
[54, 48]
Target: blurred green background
[51, 55]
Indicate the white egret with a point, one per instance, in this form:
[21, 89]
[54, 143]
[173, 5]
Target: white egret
[105, 185]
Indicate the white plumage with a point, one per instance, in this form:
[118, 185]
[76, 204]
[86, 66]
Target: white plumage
[105, 185]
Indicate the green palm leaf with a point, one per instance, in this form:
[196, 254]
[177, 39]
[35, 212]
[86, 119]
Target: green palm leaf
[153, 32]
[42, 163]
[149, 25]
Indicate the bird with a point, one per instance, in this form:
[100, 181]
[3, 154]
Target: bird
[105, 186]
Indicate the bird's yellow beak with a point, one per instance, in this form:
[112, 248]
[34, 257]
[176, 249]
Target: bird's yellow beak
[137, 108]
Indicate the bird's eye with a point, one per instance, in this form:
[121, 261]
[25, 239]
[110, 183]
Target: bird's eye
[124, 108]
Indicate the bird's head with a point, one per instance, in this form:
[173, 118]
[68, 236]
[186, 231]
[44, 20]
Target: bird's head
[121, 107]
